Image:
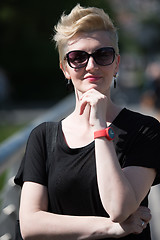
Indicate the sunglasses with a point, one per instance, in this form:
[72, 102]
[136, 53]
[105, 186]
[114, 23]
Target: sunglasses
[78, 59]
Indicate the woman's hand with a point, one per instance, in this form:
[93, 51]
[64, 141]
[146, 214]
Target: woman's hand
[98, 108]
[135, 224]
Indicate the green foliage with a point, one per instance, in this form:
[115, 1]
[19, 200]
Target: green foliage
[7, 130]
[2, 180]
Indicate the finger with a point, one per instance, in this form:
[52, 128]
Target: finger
[86, 100]
[92, 93]
[142, 224]
[82, 107]
[144, 209]
[146, 216]
[140, 227]
[144, 213]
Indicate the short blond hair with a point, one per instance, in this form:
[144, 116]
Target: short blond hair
[80, 20]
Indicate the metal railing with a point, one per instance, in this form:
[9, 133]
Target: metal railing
[11, 152]
[9, 147]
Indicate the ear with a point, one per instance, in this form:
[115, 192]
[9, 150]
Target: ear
[63, 67]
[117, 63]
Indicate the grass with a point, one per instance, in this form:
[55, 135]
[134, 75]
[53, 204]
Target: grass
[2, 180]
[7, 130]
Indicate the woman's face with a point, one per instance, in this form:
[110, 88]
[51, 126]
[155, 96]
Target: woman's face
[92, 75]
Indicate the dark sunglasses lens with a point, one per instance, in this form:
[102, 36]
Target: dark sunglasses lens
[77, 59]
[104, 56]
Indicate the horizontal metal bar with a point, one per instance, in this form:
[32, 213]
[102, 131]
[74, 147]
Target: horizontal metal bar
[18, 140]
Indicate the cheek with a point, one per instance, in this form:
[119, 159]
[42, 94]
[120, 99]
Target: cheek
[67, 71]
[76, 74]
[108, 71]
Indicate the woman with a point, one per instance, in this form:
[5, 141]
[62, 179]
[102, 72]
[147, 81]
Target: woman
[105, 159]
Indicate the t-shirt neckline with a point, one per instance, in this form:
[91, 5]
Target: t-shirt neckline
[91, 144]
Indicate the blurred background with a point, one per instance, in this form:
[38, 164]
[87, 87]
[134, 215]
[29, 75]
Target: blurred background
[30, 78]
[29, 66]
[31, 82]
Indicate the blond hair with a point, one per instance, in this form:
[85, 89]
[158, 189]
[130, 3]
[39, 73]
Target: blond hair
[83, 19]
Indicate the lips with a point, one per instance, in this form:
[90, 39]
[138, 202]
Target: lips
[92, 78]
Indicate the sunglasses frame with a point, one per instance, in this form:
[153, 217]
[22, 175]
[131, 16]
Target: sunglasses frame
[90, 55]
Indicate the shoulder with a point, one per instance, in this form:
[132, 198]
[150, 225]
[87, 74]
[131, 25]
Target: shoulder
[42, 127]
[143, 130]
[131, 126]
[39, 128]
[140, 120]
[39, 133]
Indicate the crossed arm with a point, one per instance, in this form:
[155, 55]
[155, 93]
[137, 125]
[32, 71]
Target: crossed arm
[37, 223]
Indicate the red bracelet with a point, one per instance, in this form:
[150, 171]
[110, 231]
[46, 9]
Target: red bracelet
[107, 132]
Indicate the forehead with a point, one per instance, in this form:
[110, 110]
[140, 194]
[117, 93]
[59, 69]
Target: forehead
[89, 41]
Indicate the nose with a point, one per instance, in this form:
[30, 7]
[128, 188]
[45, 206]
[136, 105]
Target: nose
[91, 64]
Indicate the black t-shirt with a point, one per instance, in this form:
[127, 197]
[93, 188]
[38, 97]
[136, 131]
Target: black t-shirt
[70, 175]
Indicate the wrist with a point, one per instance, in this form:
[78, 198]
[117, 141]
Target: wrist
[108, 133]
[99, 124]
[102, 227]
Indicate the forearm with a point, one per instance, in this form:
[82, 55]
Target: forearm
[117, 194]
[45, 226]
[37, 223]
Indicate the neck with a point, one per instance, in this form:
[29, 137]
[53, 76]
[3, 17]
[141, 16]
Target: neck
[112, 111]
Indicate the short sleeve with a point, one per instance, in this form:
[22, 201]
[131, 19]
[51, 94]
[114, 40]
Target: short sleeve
[33, 165]
[144, 149]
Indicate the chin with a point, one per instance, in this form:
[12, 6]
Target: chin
[100, 89]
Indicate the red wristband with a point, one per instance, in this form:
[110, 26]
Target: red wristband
[107, 132]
